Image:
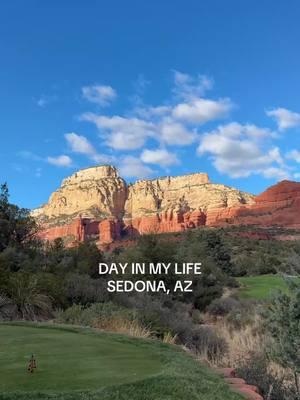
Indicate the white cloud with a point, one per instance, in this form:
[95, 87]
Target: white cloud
[237, 152]
[236, 130]
[275, 155]
[99, 94]
[132, 167]
[161, 157]
[167, 124]
[235, 149]
[122, 133]
[175, 134]
[200, 111]
[256, 132]
[294, 155]
[79, 144]
[275, 173]
[189, 88]
[60, 161]
[149, 112]
[285, 118]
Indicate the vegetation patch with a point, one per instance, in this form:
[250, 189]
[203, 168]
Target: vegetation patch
[77, 363]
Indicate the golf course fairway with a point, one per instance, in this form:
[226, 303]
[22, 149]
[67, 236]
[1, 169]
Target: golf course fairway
[75, 363]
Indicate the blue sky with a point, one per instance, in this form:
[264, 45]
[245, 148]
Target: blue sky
[155, 88]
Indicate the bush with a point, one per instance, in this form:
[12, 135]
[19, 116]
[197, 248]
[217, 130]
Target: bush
[106, 316]
[256, 372]
[223, 306]
[207, 344]
[82, 289]
[241, 315]
[282, 322]
[77, 314]
[196, 317]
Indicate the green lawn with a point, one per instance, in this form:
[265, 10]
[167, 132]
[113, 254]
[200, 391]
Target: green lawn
[76, 363]
[260, 287]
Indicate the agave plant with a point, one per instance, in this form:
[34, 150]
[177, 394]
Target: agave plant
[24, 295]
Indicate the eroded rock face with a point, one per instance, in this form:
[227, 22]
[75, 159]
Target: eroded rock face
[183, 193]
[96, 192]
[110, 230]
[76, 231]
[96, 201]
[279, 205]
[167, 221]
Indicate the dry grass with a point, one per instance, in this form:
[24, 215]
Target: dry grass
[241, 343]
[121, 325]
[169, 338]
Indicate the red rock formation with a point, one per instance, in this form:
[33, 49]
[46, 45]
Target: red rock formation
[76, 231]
[168, 221]
[109, 230]
[194, 219]
[279, 205]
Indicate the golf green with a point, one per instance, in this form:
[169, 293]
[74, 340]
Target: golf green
[68, 360]
[261, 287]
[81, 364]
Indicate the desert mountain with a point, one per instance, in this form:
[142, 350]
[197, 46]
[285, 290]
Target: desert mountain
[97, 202]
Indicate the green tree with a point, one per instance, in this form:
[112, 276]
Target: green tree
[16, 224]
[218, 250]
[282, 319]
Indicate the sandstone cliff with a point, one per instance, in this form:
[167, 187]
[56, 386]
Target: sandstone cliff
[96, 201]
[183, 193]
[173, 204]
[96, 192]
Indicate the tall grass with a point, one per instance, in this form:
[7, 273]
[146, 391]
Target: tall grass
[242, 342]
[120, 324]
[104, 316]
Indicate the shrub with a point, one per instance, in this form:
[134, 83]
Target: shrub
[196, 317]
[207, 344]
[73, 315]
[77, 314]
[82, 289]
[223, 306]
[25, 298]
[282, 322]
[241, 315]
[106, 316]
[272, 386]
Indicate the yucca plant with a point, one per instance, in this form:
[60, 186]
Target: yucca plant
[25, 296]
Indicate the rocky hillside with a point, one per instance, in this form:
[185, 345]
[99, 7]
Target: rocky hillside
[97, 202]
[279, 206]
